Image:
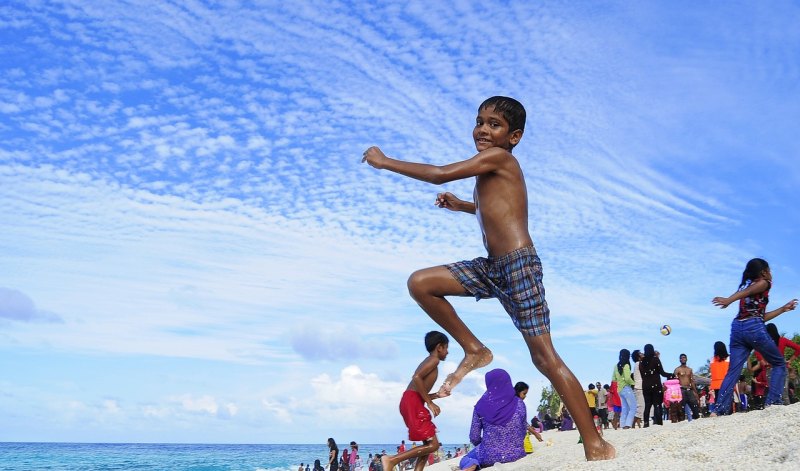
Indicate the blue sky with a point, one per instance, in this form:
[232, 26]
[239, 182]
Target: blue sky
[192, 252]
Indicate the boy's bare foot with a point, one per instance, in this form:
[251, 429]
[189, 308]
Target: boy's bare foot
[602, 451]
[471, 361]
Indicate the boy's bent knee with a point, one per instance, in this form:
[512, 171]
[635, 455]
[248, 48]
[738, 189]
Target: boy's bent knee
[416, 284]
[435, 281]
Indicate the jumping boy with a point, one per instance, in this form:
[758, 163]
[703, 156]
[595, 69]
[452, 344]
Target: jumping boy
[512, 272]
[412, 405]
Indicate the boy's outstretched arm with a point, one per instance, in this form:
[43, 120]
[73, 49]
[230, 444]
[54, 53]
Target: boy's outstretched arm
[484, 162]
[425, 368]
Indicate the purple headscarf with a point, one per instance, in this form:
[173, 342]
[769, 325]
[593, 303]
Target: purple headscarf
[499, 402]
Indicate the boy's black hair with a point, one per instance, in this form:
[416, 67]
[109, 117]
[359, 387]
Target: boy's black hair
[591, 386]
[512, 111]
[520, 386]
[434, 338]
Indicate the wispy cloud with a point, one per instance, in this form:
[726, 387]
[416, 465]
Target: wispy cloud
[182, 181]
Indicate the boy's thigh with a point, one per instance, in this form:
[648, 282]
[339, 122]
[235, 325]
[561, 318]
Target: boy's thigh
[437, 281]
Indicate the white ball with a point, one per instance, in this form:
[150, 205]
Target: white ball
[666, 329]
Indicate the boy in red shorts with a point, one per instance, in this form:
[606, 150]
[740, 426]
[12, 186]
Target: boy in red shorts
[412, 405]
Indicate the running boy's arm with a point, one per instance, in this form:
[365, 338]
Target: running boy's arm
[758, 287]
[484, 162]
[450, 201]
[777, 312]
[424, 369]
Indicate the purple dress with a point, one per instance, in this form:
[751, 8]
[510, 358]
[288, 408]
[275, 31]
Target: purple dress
[497, 443]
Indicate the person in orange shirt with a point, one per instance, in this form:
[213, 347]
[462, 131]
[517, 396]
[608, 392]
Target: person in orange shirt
[719, 367]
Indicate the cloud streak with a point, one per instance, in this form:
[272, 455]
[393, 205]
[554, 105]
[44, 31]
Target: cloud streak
[182, 182]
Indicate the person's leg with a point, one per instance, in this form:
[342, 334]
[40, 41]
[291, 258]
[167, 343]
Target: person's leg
[648, 403]
[694, 405]
[763, 344]
[658, 411]
[428, 287]
[470, 462]
[639, 407]
[420, 452]
[740, 351]
[785, 395]
[628, 407]
[547, 361]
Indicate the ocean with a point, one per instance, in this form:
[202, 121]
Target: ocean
[169, 457]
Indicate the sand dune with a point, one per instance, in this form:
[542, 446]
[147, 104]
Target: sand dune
[753, 441]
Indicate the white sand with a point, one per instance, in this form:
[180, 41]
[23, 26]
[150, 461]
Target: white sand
[753, 441]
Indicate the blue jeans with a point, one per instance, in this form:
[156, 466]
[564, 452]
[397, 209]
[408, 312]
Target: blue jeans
[628, 400]
[747, 335]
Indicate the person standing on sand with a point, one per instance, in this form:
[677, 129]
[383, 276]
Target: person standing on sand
[602, 405]
[412, 406]
[718, 368]
[652, 370]
[748, 332]
[622, 376]
[783, 343]
[689, 397]
[637, 389]
[512, 272]
[333, 455]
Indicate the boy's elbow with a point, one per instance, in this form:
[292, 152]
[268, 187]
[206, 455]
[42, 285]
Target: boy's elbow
[437, 179]
[438, 176]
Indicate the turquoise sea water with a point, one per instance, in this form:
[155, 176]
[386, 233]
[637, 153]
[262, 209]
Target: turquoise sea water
[168, 457]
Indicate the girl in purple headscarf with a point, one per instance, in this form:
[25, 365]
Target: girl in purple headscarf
[499, 422]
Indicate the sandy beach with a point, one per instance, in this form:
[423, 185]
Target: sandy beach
[757, 440]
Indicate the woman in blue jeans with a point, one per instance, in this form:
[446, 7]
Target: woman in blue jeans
[748, 332]
[622, 375]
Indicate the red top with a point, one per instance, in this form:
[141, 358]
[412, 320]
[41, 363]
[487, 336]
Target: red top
[614, 398]
[782, 344]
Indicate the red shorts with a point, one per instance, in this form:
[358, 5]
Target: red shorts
[416, 416]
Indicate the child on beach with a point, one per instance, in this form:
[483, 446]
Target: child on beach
[748, 332]
[512, 272]
[412, 405]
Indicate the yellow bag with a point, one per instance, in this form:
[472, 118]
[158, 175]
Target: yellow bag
[527, 443]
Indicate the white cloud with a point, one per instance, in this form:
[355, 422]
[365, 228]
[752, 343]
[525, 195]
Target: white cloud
[183, 182]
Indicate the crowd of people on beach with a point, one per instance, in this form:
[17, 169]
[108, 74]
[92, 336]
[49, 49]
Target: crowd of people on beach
[637, 396]
[349, 459]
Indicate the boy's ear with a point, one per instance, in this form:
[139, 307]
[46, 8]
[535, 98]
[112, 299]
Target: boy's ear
[516, 136]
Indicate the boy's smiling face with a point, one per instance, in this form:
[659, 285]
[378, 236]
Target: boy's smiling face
[492, 130]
